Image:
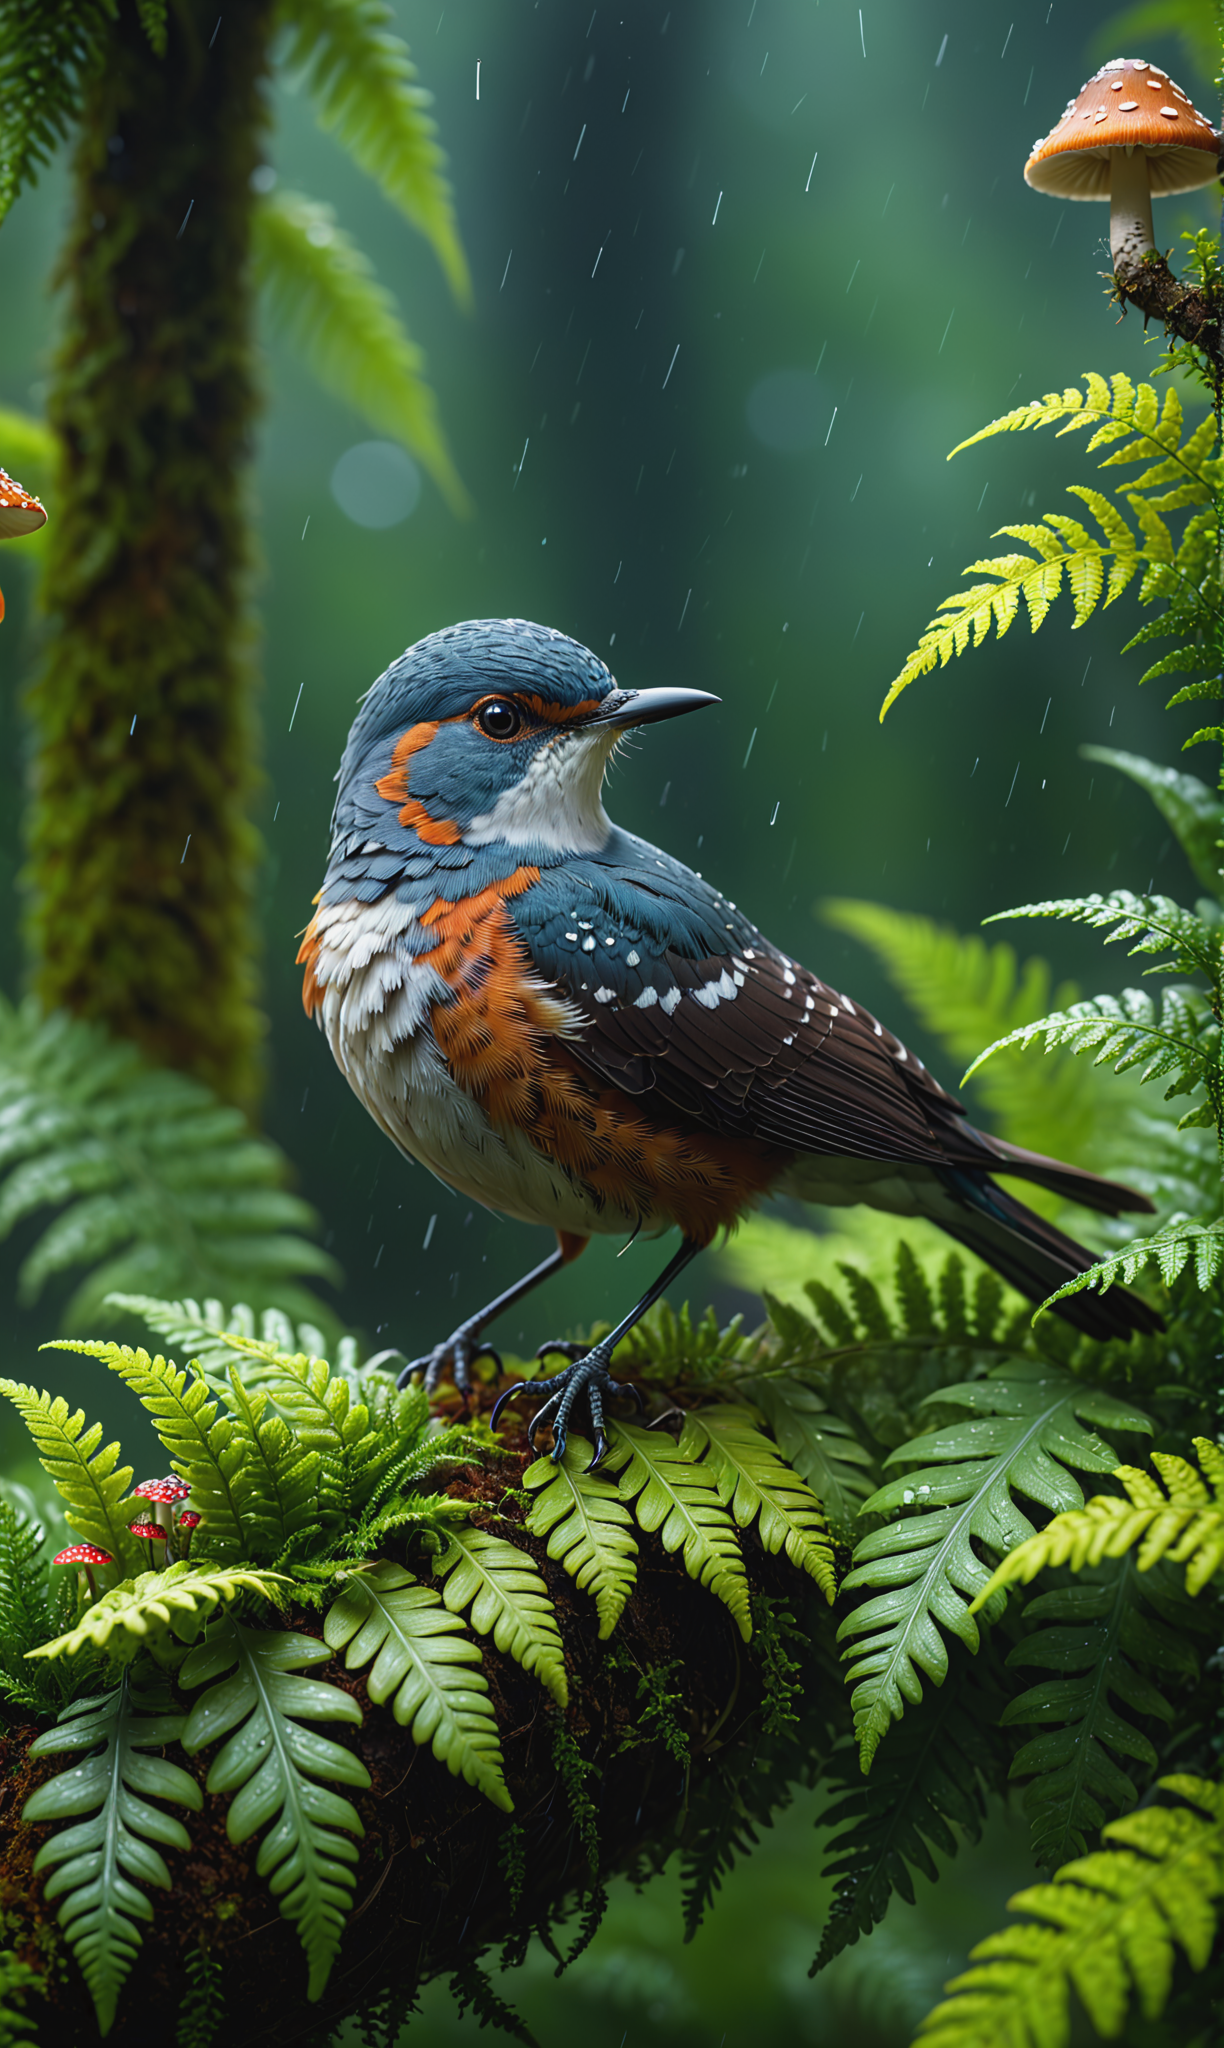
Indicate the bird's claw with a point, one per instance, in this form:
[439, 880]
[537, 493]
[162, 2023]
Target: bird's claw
[567, 1347]
[587, 1376]
[460, 1351]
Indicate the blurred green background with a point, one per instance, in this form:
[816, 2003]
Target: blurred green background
[745, 270]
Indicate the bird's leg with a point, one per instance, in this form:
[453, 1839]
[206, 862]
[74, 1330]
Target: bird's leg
[463, 1347]
[589, 1377]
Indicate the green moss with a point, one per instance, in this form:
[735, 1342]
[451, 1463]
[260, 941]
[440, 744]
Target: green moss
[141, 853]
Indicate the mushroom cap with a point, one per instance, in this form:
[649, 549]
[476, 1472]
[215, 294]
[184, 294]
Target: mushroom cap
[167, 1490]
[190, 1520]
[150, 1532]
[83, 1553]
[1128, 104]
[19, 512]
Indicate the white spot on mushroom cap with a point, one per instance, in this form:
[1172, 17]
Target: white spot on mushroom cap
[1127, 106]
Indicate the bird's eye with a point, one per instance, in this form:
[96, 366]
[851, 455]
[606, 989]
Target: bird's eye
[500, 720]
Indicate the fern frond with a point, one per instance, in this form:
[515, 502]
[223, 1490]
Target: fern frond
[1184, 1522]
[680, 1499]
[361, 81]
[1114, 412]
[202, 1332]
[147, 1612]
[1025, 1434]
[820, 1446]
[759, 1487]
[1186, 1241]
[934, 1776]
[967, 994]
[49, 50]
[17, 1980]
[1190, 809]
[675, 1351]
[280, 1497]
[322, 292]
[1114, 1648]
[94, 1861]
[1178, 1037]
[273, 1766]
[1108, 1926]
[29, 1611]
[158, 1185]
[587, 1528]
[1155, 924]
[209, 1450]
[424, 1664]
[88, 1480]
[498, 1587]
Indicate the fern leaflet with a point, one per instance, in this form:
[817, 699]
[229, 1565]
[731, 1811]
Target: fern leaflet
[29, 1612]
[821, 1447]
[1189, 808]
[1184, 1523]
[158, 1185]
[94, 1861]
[322, 293]
[423, 1664]
[273, 1765]
[1108, 1923]
[680, 1499]
[757, 1486]
[1109, 1648]
[500, 1589]
[158, 1609]
[1025, 1432]
[1156, 924]
[586, 1526]
[88, 1480]
[362, 84]
[201, 1332]
[49, 50]
[1186, 1241]
[934, 1776]
[1177, 1037]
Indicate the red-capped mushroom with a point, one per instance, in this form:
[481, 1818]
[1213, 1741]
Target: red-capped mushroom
[1130, 133]
[87, 1556]
[147, 1532]
[183, 1528]
[19, 511]
[164, 1493]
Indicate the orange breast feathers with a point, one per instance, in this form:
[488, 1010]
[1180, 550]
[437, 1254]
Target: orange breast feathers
[503, 1035]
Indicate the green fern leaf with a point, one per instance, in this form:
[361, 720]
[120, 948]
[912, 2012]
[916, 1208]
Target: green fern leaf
[680, 1499]
[1025, 1433]
[1184, 1242]
[969, 994]
[280, 1499]
[758, 1487]
[89, 1481]
[209, 1450]
[423, 1664]
[158, 1609]
[157, 1184]
[928, 1790]
[1190, 809]
[29, 1611]
[49, 50]
[1178, 1037]
[1108, 1923]
[361, 81]
[273, 1766]
[321, 291]
[202, 1332]
[1184, 1523]
[586, 1527]
[503, 1595]
[1112, 1646]
[1156, 924]
[17, 1980]
[820, 1446]
[95, 1861]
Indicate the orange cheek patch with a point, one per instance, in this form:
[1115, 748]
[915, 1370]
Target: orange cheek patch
[394, 786]
[559, 714]
[499, 1037]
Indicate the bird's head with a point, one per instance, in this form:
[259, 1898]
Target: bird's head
[496, 731]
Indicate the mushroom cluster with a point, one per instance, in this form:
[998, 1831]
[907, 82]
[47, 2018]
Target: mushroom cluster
[160, 1525]
[1129, 134]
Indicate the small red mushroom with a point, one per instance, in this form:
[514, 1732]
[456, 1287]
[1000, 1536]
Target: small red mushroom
[189, 1521]
[87, 1556]
[19, 513]
[148, 1532]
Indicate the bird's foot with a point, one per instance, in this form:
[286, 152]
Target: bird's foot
[459, 1351]
[587, 1378]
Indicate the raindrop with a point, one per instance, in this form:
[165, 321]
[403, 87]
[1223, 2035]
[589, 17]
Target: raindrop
[429, 1233]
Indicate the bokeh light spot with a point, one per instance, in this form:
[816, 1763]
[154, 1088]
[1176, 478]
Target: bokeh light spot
[376, 484]
[785, 411]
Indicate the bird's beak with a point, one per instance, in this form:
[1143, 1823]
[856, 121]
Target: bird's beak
[646, 707]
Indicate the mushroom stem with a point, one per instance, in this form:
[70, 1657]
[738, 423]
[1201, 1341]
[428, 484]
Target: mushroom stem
[1130, 206]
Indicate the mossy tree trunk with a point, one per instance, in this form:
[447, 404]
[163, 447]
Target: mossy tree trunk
[141, 853]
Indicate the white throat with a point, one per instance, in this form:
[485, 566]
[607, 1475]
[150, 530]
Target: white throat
[557, 804]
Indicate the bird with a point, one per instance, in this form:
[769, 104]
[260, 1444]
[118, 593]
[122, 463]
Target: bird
[571, 1027]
